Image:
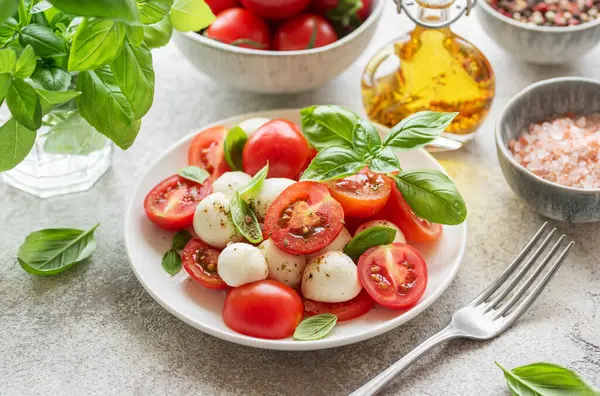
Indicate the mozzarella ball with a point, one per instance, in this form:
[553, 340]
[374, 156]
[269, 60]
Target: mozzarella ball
[252, 124]
[212, 221]
[230, 182]
[331, 278]
[271, 188]
[337, 245]
[283, 267]
[241, 263]
[383, 223]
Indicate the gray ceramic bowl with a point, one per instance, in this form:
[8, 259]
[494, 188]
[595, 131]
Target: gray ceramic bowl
[539, 102]
[538, 44]
[277, 71]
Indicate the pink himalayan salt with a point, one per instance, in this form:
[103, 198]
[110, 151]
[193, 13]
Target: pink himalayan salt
[565, 150]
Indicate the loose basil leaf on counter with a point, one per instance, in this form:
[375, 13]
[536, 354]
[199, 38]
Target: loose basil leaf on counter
[233, 147]
[334, 163]
[385, 161]
[432, 196]
[171, 262]
[315, 327]
[417, 130]
[255, 183]
[180, 239]
[194, 174]
[546, 379]
[52, 251]
[244, 219]
[326, 126]
[374, 236]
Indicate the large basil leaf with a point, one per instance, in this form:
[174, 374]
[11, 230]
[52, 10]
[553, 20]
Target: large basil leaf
[152, 11]
[384, 161]
[97, 42]
[334, 163]
[74, 136]
[41, 7]
[135, 35]
[16, 142]
[135, 76]
[5, 83]
[51, 78]
[315, 327]
[105, 107]
[244, 219]
[125, 10]
[432, 196]
[158, 34]
[26, 63]
[8, 60]
[325, 126]
[24, 104]
[191, 15]
[43, 40]
[233, 146]
[7, 8]
[417, 130]
[8, 28]
[52, 251]
[363, 241]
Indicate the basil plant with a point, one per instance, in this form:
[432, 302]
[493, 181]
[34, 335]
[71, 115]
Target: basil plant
[85, 63]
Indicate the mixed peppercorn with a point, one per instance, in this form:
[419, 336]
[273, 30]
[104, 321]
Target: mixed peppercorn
[549, 12]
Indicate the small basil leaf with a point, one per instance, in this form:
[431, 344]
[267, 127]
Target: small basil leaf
[432, 196]
[152, 11]
[194, 174]
[16, 142]
[171, 262]
[180, 239]
[26, 63]
[96, 43]
[158, 34]
[385, 161]
[124, 10]
[49, 99]
[51, 78]
[52, 251]
[41, 7]
[363, 241]
[8, 60]
[315, 327]
[7, 8]
[24, 104]
[366, 137]
[417, 130]
[43, 40]
[244, 219]
[325, 126]
[233, 147]
[5, 83]
[74, 136]
[191, 15]
[255, 184]
[333, 163]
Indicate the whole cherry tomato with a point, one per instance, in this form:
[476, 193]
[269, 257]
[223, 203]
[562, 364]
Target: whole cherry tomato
[276, 9]
[305, 31]
[240, 27]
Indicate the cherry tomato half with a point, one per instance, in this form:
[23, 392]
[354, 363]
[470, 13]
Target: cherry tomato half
[263, 309]
[281, 144]
[172, 203]
[240, 27]
[305, 31]
[276, 9]
[217, 6]
[200, 261]
[304, 218]
[394, 275]
[206, 151]
[347, 310]
[361, 195]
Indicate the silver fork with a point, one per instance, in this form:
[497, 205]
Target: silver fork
[490, 313]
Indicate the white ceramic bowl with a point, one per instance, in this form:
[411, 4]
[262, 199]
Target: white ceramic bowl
[201, 307]
[277, 71]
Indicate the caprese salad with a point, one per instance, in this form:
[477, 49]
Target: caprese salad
[312, 221]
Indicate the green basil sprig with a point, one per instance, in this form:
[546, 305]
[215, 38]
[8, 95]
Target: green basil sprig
[233, 146]
[363, 241]
[255, 184]
[244, 219]
[315, 327]
[194, 173]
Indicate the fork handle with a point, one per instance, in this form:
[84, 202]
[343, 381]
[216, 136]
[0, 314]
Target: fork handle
[382, 380]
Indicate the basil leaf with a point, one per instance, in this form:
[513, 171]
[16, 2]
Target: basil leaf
[135, 35]
[49, 99]
[417, 130]
[24, 104]
[124, 10]
[255, 184]
[96, 43]
[194, 174]
[51, 78]
[171, 262]
[16, 142]
[40, 7]
[105, 107]
[191, 15]
[384, 161]
[546, 379]
[432, 196]
[363, 241]
[244, 219]
[26, 63]
[334, 163]
[325, 126]
[366, 137]
[315, 327]
[43, 40]
[152, 11]
[158, 34]
[8, 60]
[5, 83]
[234, 145]
[180, 239]
[8, 28]
[7, 8]
[135, 76]
[74, 136]
[52, 251]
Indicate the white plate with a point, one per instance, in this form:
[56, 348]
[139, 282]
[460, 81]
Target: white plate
[201, 307]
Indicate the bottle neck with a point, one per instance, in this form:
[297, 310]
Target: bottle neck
[437, 11]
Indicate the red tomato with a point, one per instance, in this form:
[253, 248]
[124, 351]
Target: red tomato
[394, 275]
[172, 203]
[281, 144]
[206, 151]
[304, 32]
[361, 195]
[263, 309]
[276, 9]
[312, 153]
[354, 308]
[240, 27]
[324, 6]
[200, 261]
[414, 228]
[217, 6]
[304, 218]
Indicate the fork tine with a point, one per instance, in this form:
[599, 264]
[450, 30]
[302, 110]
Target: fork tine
[511, 268]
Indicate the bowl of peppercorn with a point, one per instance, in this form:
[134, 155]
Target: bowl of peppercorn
[542, 31]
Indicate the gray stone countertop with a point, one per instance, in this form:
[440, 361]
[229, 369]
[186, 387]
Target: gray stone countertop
[95, 331]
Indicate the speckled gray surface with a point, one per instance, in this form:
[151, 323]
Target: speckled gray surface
[95, 331]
